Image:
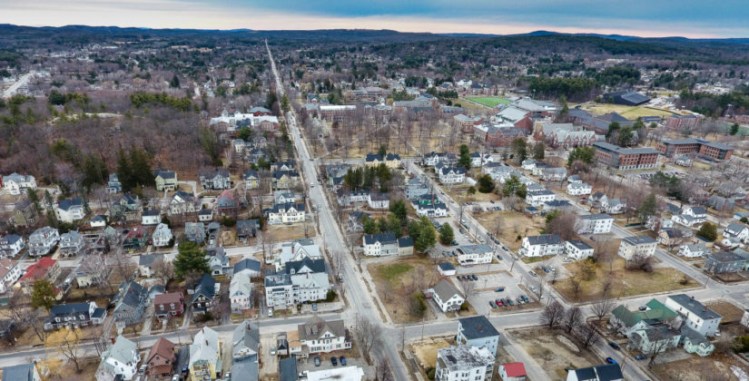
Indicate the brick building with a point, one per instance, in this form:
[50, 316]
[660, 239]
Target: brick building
[691, 146]
[625, 158]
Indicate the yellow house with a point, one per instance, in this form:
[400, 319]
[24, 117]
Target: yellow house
[205, 355]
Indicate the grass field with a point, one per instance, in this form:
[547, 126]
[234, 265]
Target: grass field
[629, 112]
[489, 101]
[396, 283]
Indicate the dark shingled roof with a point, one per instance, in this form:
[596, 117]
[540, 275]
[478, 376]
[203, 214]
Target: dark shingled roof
[477, 327]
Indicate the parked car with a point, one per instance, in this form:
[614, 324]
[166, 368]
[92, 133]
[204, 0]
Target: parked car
[492, 304]
[317, 361]
[474, 277]
[532, 273]
[334, 361]
[614, 345]
[640, 357]
[510, 302]
[499, 302]
[610, 360]
[342, 359]
[500, 289]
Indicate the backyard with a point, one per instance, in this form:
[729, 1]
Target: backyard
[510, 226]
[622, 282]
[399, 285]
[553, 351]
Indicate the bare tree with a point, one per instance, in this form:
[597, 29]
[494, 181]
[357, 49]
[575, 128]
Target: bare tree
[468, 287]
[564, 225]
[586, 335]
[383, 371]
[572, 319]
[368, 334]
[575, 286]
[67, 342]
[553, 314]
[602, 307]
[656, 349]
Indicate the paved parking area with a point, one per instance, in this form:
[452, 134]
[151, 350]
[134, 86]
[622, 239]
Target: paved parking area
[484, 292]
[309, 364]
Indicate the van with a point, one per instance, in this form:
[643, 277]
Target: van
[270, 312]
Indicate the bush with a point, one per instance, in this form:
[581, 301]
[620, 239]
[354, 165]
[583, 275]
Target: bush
[708, 231]
[418, 304]
[431, 373]
[228, 222]
[741, 344]
[330, 296]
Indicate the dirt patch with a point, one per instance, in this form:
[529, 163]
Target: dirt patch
[426, 350]
[285, 233]
[398, 280]
[65, 370]
[727, 310]
[552, 353]
[715, 367]
[511, 226]
[623, 283]
[460, 195]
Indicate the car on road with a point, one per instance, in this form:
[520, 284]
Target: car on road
[546, 269]
[499, 289]
[342, 360]
[532, 273]
[610, 360]
[614, 345]
[317, 361]
[474, 277]
[640, 357]
[334, 361]
[499, 257]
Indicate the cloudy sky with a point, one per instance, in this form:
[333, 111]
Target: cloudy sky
[690, 18]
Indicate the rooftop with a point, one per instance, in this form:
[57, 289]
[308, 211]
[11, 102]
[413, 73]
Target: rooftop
[476, 327]
[694, 306]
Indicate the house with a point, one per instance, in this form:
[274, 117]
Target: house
[612, 205]
[541, 245]
[447, 297]
[45, 268]
[626, 321]
[284, 179]
[391, 160]
[512, 371]
[287, 369]
[205, 215]
[11, 245]
[21, 372]
[347, 373]
[725, 262]
[446, 269]
[130, 303]
[553, 174]
[182, 203]
[161, 359]
[697, 316]
[169, 305]
[150, 217]
[628, 98]
[693, 250]
[10, 272]
[321, 336]
[227, 204]
[460, 363]
[195, 232]
[136, 239]
[579, 189]
[637, 246]
[672, 236]
[71, 243]
[477, 331]
[119, 362]
[577, 250]
[405, 246]
[93, 271]
[113, 184]
[214, 178]
[70, 210]
[309, 279]
[376, 200]
[203, 294]
[451, 175]
[74, 315]
[148, 263]
[43, 240]
[98, 221]
[538, 197]
[251, 179]
[246, 351]
[296, 251]
[247, 266]
[240, 293]
[23, 214]
[126, 208]
[205, 355]
[279, 291]
[655, 337]
[429, 206]
[381, 244]
[594, 224]
[162, 236]
[165, 180]
[417, 188]
[611, 372]
[432, 159]
[14, 183]
[474, 254]
[736, 230]
[694, 342]
[290, 213]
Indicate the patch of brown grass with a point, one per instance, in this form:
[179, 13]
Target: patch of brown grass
[510, 225]
[395, 282]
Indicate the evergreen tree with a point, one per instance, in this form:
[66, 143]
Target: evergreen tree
[519, 149]
[539, 151]
[43, 294]
[398, 208]
[190, 260]
[734, 129]
[423, 234]
[447, 235]
[648, 208]
[124, 172]
[708, 231]
[174, 83]
[465, 157]
[486, 184]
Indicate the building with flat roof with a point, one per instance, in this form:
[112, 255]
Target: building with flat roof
[699, 147]
[625, 158]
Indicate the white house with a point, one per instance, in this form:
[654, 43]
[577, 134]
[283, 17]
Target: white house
[380, 245]
[321, 336]
[697, 316]
[429, 206]
[737, 230]
[14, 183]
[579, 189]
[377, 200]
[528, 165]
[451, 175]
[447, 297]
[446, 269]
[119, 362]
[463, 363]
[240, 292]
[289, 213]
[98, 221]
[577, 250]
[541, 245]
[474, 254]
[11, 245]
[612, 205]
[10, 272]
[43, 240]
[477, 331]
[594, 224]
[71, 243]
[512, 371]
[70, 210]
[477, 159]
[182, 203]
[150, 217]
[637, 245]
[162, 235]
[608, 372]
[693, 250]
[539, 197]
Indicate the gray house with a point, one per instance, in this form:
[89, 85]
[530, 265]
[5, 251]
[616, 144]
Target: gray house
[130, 303]
[477, 331]
[195, 232]
[246, 351]
[725, 262]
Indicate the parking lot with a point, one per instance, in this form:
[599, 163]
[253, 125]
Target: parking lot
[485, 291]
[325, 361]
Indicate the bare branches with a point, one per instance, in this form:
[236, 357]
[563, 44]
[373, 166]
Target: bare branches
[553, 314]
[573, 318]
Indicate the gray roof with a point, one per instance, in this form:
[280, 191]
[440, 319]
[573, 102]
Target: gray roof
[21, 372]
[446, 266]
[206, 287]
[123, 350]
[314, 328]
[638, 240]
[247, 264]
[165, 174]
[287, 369]
[475, 249]
[599, 216]
[445, 289]
[609, 372]
[246, 341]
[383, 238]
[694, 306]
[275, 280]
[580, 245]
[314, 265]
[131, 294]
[477, 327]
[621, 150]
[545, 239]
[69, 203]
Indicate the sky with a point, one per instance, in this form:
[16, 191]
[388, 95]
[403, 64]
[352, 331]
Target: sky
[647, 18]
